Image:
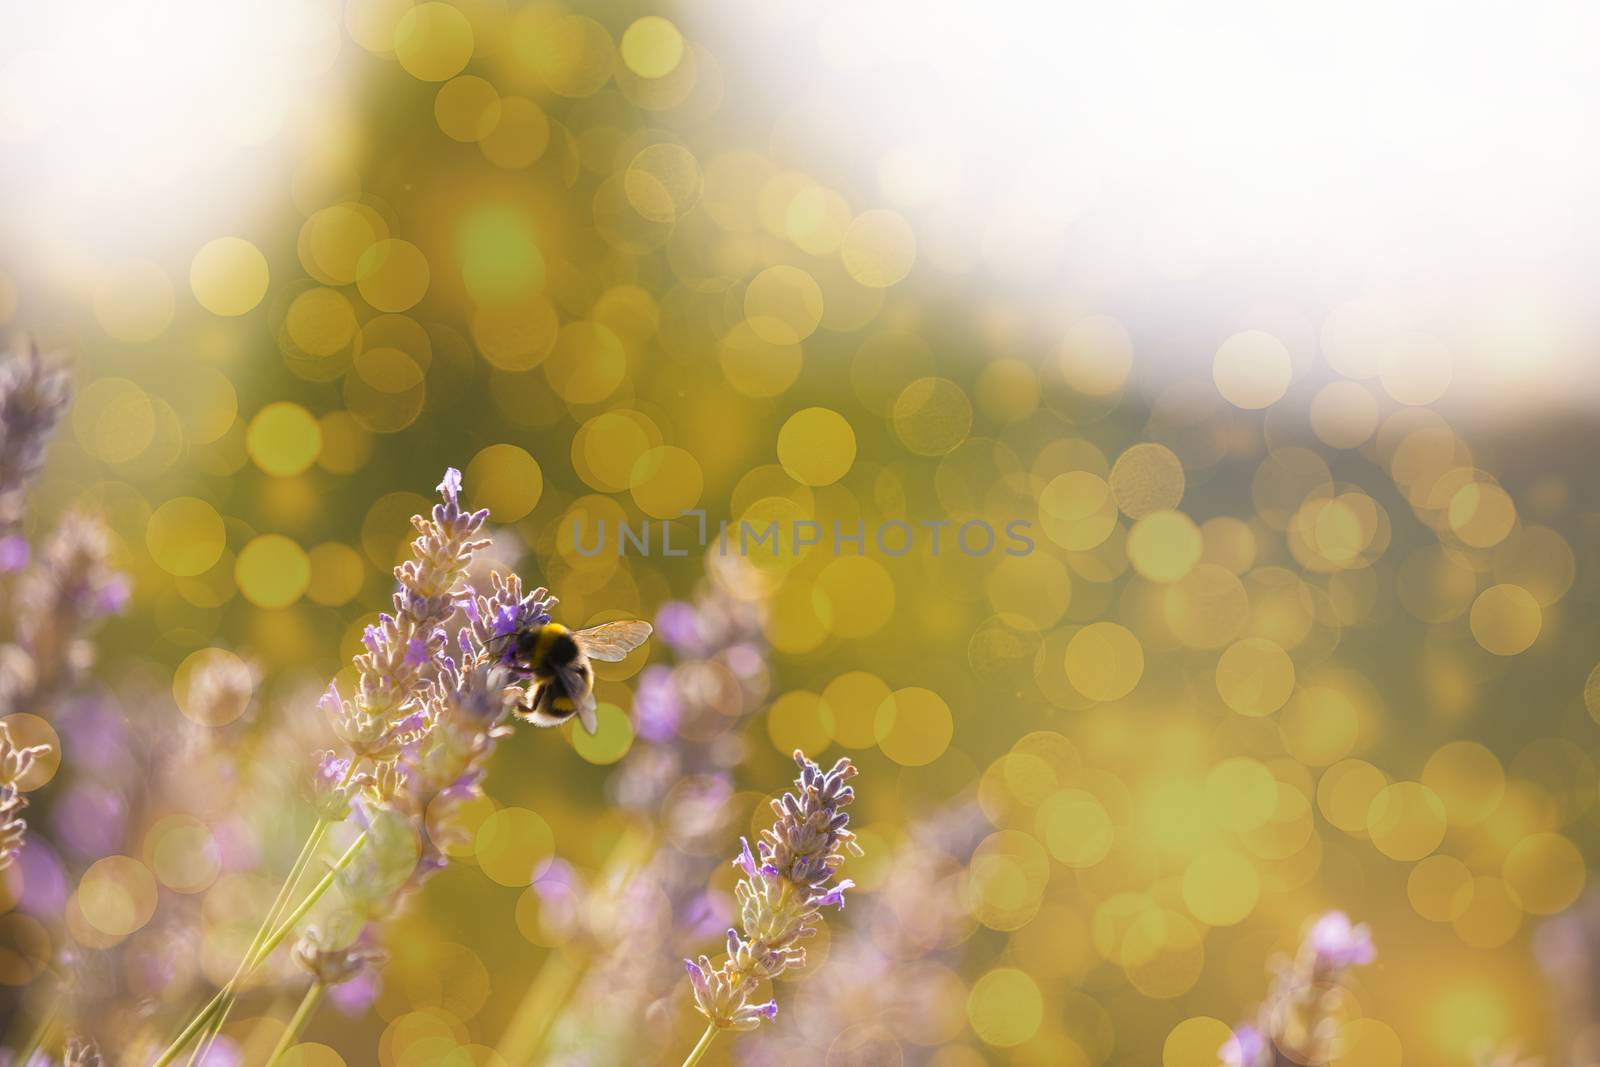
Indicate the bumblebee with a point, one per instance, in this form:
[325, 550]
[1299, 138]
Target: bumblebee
[556, 661]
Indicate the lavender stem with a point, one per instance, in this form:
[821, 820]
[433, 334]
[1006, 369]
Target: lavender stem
[700, 1047]
[297, 1023]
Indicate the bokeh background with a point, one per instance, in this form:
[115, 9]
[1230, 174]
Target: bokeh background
[1277, 340]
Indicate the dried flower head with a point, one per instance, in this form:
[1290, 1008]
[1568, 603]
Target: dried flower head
[335, 966]
[81, 1052]
[13, 827]
[785, 884]
[15, 762]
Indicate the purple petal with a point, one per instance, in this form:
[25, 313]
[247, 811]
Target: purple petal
[505, 620]
[416, 652]
[697, 976]
[451, 486]
[745, 861]
[835, 896]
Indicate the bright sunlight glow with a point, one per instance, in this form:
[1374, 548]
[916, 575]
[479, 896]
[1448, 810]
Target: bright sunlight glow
[1437, 149]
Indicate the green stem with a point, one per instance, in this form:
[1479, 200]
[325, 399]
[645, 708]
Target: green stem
[703, 1044]
[226, 998]
[195, 1025]
[309, 902]
[297, 1023]
[220, 1003]
[223, 1003]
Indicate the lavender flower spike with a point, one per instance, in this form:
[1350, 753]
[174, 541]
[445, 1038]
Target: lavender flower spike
[404, 650]
[1298, 1023]
[33, 396]
[785, 884]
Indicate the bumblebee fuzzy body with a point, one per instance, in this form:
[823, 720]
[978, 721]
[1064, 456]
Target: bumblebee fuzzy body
[555, 660]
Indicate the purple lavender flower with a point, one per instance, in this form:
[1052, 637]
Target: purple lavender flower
[677, 779]
[1338, 945]
[33, 396]
[506, 611]
[1247, 1047]
[50, 624]
[403, 650]
[787, 880]
[889, 966]
[442, 747]
[444, 546]
[690, 711]
[60, 600]
[1298, 1023]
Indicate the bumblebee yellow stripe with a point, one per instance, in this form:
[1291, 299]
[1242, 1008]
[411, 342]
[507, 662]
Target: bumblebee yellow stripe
[546, 637]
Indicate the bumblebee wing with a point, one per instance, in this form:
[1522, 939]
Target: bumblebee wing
[581, 693]
[586, 713]
[611, 641]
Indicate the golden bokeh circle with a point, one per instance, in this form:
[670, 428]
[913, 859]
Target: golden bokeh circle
[433, 41]
[228, 276]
